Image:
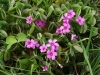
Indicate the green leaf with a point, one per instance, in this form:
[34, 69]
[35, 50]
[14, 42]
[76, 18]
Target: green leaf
[80, 3]
[9, 46]
[27, 5]
[67, 57]
[18, 11]
[39, 36]
[78, 48]
[95, 31]
[43, 17]
[31, 29]
[1, 55]
[11, 40]
[20, 5]
[58, 11]
[72, 51]
[63, 7]
[5, 72]
[51, 9]
[3, 14]
[3, 25]
[86, 2]
[58, 2]
[24, 63]
[77, 9]
[48, 35]
[80, 29]
[39, 2]
[21, 37]
[11, 4]
[33, 67]
[83, 28]
[86, 9]
[38, 28]
[13, 9]
[26, 11]
[37, 14]
[93, 12]
[41, 10]
[6, 55]
[2, 63]
[92, 20]
[3, 33]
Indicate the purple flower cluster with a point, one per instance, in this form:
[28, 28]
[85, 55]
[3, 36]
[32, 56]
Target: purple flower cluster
[30, 43]
[50, 48]
[40, 23]
[66, 19]
[65, 28]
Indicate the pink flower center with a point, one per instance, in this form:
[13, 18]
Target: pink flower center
[70, 13]
[65, 27]
[52, 44]
[79, 20]
[51, 53]
[59, 30]
[30, 19]
[29, 43]
[43, 48]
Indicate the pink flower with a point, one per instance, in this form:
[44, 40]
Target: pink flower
[59, 30]
[29, 20]
[40, 23]
[66, 24]
[70, 14]
[28, 43]
[65, 18]
[80, 20]
[45, 68]
[51, 54]
[33, 43]
[74, 37]
[66, 29]
[53, 44]
[36, 43]
[43, 48]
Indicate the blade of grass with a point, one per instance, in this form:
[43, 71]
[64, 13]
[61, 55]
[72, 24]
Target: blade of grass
[85, 51]
[7, 73]
[96, 62]
[89, 40]
[86, 58]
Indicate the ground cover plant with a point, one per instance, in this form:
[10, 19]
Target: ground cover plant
[49, 37]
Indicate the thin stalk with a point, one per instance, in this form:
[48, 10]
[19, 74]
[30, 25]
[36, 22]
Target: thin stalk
[17, 16]
[89, 40]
